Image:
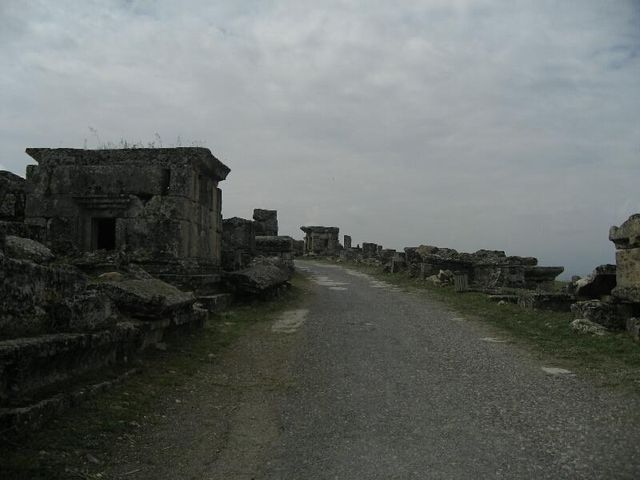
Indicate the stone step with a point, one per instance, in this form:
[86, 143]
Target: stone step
[215, 303]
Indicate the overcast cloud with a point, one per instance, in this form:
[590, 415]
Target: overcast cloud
[511, 125]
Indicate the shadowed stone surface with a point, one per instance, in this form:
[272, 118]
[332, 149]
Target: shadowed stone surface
[600, 283]
[627, 240]
[602, 313]
[150, 298]
[263, 276]
[27, 249]
[12, 196]
[266, 222]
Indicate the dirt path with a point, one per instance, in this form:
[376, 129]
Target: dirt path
[372, 382]
[224, 422]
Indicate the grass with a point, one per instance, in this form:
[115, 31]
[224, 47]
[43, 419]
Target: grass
[612, 360]
[66, 447]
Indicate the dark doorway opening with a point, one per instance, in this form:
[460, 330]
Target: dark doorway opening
[104, 233]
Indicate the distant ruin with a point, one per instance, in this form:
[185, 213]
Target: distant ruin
[321, 240]
[606, 300]
[243, 240]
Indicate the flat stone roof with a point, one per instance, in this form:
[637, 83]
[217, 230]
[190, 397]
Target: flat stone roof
[200, 158]
[319, 229]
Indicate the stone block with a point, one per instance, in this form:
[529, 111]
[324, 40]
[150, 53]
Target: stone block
[602, 313]
[387, 254]
[83, 312]
[269, 245]
[215, 303]
[600, 283]
[35, 363]
[539, 277]
[633, 327]
[27, 249]
[560, 302]
[582, 325]
[628, 275]
[369, 250]
[28, 290]
[146, 299]
[263, 276]
[397, 265]
[627, 235]
[266, 222]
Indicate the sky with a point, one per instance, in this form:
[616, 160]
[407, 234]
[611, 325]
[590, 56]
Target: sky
[508, 125]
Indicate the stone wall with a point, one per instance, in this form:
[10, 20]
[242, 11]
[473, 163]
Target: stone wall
[58, 324]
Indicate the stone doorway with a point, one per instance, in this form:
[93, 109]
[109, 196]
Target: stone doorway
[103, 233]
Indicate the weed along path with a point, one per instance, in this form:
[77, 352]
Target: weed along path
[364, 380]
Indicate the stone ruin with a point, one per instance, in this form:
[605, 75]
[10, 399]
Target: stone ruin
[369, 250]
[609, 298]
[102, 252]
[517, 279]
[12, 196]
[161, 206]
[320, 240]
[266, 222]
[238, 243]
[247, 244]
[489, 270]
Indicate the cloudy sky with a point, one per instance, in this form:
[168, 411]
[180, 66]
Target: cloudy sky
[511, 125]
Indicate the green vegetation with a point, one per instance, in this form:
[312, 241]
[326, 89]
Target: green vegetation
[70, 445]
[612, 360]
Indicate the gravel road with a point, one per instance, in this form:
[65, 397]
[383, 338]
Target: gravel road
[377, 383]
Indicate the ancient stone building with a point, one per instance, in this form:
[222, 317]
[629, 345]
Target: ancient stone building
[347, 241]
[266, 222]
[162, 201]
[160, 205]
[321, 240]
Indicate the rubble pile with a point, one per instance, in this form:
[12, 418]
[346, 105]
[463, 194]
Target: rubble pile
[610, 297]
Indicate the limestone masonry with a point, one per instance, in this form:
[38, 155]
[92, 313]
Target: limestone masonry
[158, 204]
[104, 253]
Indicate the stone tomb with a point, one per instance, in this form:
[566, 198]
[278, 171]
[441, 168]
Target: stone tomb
[321, 240]
[160, 205]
